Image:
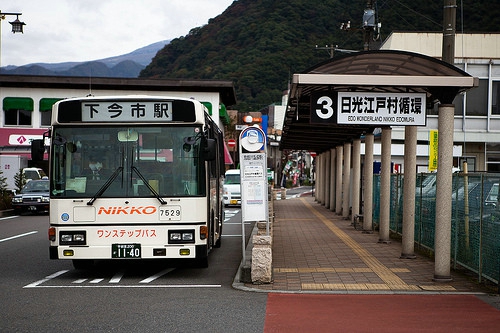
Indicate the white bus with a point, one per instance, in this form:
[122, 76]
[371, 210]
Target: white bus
[133, 177]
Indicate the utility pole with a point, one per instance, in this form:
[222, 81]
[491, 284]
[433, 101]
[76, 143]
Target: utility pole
[368, 24]
[449, 23]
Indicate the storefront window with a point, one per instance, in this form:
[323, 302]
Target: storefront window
[17, 110]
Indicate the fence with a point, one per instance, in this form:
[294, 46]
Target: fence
[475, 222]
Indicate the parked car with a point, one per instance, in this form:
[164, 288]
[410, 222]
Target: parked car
[33, 197]
[33, 174]
[232, 187]
[482, 197]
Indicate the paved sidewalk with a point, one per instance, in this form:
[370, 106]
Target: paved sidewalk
[317, 251]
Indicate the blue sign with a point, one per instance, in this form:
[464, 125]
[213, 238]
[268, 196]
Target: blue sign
[253, 139]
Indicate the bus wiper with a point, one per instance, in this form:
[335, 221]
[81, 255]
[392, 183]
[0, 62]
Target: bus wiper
[145, 181]
[105, 186]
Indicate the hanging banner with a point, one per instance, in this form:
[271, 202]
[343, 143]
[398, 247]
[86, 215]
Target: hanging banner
[433, 150]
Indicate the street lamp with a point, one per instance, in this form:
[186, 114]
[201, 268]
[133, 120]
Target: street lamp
[17, 26]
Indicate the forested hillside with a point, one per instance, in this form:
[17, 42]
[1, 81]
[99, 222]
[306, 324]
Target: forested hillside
[259, 44]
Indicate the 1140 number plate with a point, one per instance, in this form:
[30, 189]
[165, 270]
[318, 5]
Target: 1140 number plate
[125, 250]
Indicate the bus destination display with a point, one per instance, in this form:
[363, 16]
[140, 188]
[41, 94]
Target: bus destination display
[119, 111]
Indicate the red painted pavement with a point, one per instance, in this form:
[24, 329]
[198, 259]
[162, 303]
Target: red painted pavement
[379, 313]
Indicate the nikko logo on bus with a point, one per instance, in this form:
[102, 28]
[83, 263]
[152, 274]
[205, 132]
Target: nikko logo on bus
[117, 210]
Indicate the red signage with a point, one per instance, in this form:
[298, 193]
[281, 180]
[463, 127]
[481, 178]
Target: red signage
[231, 143]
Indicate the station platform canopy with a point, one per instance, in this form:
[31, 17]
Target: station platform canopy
[381, 71]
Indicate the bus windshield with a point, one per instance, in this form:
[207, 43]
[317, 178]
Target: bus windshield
[118, 161]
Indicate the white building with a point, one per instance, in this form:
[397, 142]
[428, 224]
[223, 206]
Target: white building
[27, 101]
[477, 112]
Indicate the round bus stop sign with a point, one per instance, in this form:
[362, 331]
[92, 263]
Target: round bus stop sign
[253, 139]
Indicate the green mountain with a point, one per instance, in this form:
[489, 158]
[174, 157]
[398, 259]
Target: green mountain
[259, 44]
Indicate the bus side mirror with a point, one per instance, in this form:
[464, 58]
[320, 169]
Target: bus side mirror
[210, 150]
[37, 150]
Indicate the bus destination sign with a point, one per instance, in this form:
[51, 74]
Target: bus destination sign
[120, 111]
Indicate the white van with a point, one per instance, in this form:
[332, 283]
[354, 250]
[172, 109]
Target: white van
[33, 174]
[232, 188]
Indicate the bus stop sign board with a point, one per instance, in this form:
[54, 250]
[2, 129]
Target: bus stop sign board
[253, 161]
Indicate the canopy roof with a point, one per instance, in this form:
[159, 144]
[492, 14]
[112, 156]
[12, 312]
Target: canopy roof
[367, 71]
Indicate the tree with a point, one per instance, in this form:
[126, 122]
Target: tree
[5, 196]
[19, 180]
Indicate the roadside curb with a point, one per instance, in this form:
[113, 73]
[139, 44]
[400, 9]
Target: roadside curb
[6, 213]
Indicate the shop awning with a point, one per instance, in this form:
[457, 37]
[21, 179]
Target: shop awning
[18, 103]
[223, 114]
[46, 103]
[228, 160]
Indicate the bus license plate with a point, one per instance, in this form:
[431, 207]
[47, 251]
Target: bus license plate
[234, 202]
[125, 250]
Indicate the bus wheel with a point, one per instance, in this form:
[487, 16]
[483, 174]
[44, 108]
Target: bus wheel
[83, 264]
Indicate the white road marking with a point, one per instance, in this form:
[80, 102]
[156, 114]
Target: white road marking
[48, 278]
[8, 217]
[18, 236]
[130, 286]
[157, 275]
[117, 277]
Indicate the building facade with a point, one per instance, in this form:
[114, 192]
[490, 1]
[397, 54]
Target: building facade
[27, 101]
[477, 112]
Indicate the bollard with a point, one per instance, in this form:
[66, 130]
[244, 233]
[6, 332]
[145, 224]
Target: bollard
[283, 193]
[261, 259]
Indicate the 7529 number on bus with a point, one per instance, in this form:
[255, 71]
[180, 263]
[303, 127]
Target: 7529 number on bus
[170, 213]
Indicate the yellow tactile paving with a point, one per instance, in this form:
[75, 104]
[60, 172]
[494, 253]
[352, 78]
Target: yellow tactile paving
[323, 270]
[373, 286]
[357, 286]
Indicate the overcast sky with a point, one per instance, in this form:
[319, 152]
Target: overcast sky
[83, 30]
